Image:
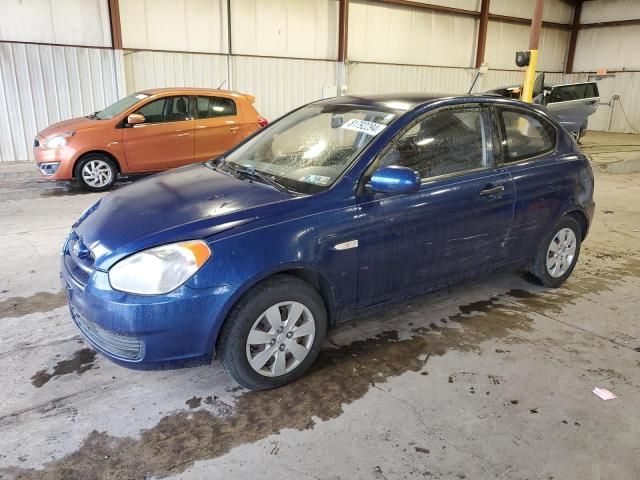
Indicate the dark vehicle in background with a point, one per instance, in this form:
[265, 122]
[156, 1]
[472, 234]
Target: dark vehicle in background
[571, 103]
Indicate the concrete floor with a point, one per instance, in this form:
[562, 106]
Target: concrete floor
[492, 379]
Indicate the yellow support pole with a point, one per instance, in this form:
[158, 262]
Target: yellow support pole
[530, 77]
[534, 40]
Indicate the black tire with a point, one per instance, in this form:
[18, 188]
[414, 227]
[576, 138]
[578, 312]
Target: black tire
[103, 160]
[232, 341]
[539, 267]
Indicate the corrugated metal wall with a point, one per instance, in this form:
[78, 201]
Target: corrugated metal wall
[389, 46]
[182, 25]
[397, 34]
[285, 28]
[40, 85]
[504, 39]
[75, 22]
[370, 78]
[554, 10]
[614, 48]
[623, 116]
[609, 10]
[279, 84]
[171, 69]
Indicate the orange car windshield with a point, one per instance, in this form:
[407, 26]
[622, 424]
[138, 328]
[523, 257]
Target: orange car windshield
[120, 106]
[309, 149]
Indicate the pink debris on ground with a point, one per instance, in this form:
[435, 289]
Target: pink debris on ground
[604, 394]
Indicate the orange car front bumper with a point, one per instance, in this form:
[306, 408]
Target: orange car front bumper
[54, 163]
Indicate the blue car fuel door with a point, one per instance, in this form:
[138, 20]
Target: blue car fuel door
[453, 226]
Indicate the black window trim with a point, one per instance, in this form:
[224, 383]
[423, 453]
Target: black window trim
[497, 152]
[138, 107]
[503, 158]
[197, 113]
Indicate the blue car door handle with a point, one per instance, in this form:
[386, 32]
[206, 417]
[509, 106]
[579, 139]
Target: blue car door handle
[492, 190]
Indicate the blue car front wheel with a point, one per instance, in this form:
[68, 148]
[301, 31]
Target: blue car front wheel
[274, 333]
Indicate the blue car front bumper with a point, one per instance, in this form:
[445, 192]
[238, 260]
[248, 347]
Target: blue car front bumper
[144, 332]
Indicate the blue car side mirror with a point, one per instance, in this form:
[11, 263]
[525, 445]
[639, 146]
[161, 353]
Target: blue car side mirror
[394, 179]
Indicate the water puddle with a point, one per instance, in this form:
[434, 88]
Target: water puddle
[38, 302]
[81, 361]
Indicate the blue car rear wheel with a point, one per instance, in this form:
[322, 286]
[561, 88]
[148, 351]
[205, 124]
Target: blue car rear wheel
[558, 253]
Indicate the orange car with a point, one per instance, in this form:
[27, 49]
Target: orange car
[148, 131]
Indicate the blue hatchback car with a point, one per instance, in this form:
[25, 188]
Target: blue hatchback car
[340, 207]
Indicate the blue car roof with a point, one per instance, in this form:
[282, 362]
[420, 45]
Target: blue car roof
[408, 101]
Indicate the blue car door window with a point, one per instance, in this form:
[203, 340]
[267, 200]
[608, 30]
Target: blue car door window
[526, 136]
[447, 142]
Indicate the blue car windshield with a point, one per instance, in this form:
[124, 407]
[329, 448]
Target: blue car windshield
[309, 149]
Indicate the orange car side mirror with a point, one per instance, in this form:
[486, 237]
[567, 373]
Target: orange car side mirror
[135, 119]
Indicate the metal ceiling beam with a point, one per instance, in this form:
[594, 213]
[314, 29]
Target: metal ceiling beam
[116, 28]
[482, 32]
[471, 13]
[433, 8]
[575, 25]
[526, 21]
[615, 23]
[343, 29]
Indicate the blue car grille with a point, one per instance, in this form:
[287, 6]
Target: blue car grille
[118, 345]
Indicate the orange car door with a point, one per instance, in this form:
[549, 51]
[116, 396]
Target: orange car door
[165, 139]
[218, 126]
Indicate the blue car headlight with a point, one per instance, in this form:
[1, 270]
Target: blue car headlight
[160, 269]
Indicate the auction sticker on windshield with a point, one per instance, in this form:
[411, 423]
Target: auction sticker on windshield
[316, 179]
[370, 128]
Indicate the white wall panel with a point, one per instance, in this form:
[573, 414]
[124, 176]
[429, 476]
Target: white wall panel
[624, 84]
[504, 39]
[73, 22]
[397, 34]
[615, 48]
[303, 29]
[370, 78]
[281, 85]
[278, 84]
[609, 10]
[558, 11]
[40, 85]
[172, 69]
[175, 25]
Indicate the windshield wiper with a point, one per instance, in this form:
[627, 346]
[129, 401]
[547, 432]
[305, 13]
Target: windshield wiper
[221, 164]
[253, 173]
[92, 116]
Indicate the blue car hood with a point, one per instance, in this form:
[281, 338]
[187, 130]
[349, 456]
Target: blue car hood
[187, 203]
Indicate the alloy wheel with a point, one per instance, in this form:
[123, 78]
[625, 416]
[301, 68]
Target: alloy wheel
[561, 252]
[280, 339]
[97, 173]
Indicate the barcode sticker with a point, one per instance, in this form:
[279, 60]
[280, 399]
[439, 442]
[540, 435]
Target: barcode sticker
[370, 128]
